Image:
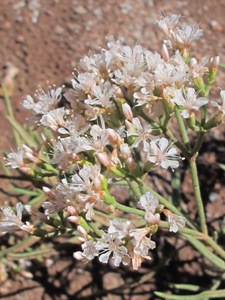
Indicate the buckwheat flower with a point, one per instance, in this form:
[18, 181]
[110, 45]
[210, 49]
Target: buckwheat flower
[82, 86]
[11, 221]
[15, 160]
[95, 63]
[65, 153]
[141, 246]
[152, 60]
[141, 133]
[168, 23]
[167, 74]
[189, 101]
[89, 251]
[111, 244]
[150, 203]
[99, 138]
[133, 66]
[161, 154]
[54, 119]
[186, 35]
[30, 154]
[221, 107]
[120, 227]
[54, 206]
[112, 56]
[102, 94]
[46, 101]
[198, 69]
[174, 220]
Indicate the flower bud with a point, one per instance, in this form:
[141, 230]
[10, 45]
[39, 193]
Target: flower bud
[127, 111]
[165, 53]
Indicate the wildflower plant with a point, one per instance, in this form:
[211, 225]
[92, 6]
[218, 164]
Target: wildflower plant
[129, 112]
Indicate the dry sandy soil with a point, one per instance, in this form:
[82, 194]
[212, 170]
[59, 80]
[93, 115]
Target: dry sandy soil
[45, 44]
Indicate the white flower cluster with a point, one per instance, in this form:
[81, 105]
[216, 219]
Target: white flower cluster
[112, 125]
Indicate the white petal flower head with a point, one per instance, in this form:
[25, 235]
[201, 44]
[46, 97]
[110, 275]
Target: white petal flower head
[189, 101]
[15, 159]
[120, 227]
[221, 106]
[161, 154]
[187, 34]
[12, 221]
[112, 244]
[149, 202]
[168, 23]
[175, 222]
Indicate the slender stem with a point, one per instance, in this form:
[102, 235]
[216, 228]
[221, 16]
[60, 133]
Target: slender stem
[129, 210]
[198, 143]
[144, 188]
[149, 120]
[197, 193]
[200, 236]
[218, 294]
[215, 260]
[183, 130]
[168, 133]
[135, 188]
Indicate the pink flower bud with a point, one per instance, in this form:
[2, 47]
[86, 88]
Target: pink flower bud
[214, 62]
[71, 210]
[165, 53]
[127, 111]
[74, 219]
[113, 136]
[104, 159]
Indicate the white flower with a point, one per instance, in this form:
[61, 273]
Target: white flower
[168, 23]
[89, 251]
[54, 119]
[142, 133]
[187, 34]
[175, 222]
[222, 106]
[198, 69]
[46, 101]
[15, 159]
[189, 101]
[12, 221]
[111, 244]
[142, 244]
[150, 203]
[161, 154]
[120, 227]
[102, 94]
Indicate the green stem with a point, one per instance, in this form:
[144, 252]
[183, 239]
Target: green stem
[200, 236]
[219, 294]
[144, 188]
[183, 130]
[129, 210]
[215, 260]
[149, 120]
[135, 188]
[197, 193]
[96, 229]
[198, 143]
[203, 114]
[168, 133]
